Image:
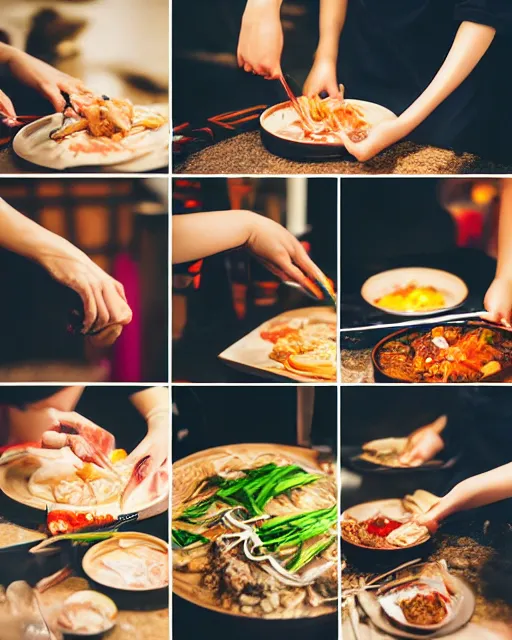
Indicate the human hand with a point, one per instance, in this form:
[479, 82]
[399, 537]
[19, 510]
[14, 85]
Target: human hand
[87, 440]
[281, 252]
[103, 298]
[150, 478]
[378, 137]
[498, 302]
[260, 44]
[424, 443]
[431, 519]
[42, 77]
[322, 77]
[7, 110]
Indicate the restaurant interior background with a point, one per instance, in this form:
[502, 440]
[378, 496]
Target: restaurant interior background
[123, 226]
[205, 417]
[220, 299]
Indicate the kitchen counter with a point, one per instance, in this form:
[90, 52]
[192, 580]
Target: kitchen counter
[245, 154]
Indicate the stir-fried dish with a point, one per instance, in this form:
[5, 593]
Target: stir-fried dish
[304, 346]
[259, 537]
[412, 298]
[335, 115]
[424, 608]
[106, 120]
[446, 354]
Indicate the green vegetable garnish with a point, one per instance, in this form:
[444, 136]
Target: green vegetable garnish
[182, 538]
[305, 556]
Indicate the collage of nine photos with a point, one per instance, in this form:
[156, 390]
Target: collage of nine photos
[256, 319]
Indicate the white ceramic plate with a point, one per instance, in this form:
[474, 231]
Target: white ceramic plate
[14, 478]
[283, 115]
[451, 286]
[139, 152]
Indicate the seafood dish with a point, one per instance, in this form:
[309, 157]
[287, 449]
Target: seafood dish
[99, 119]
[87, 613]
[444, 354]
[97, 130]
[321, 122]
[254, 533]
[389, 525]
[299, 345]
[304, 346]
[412, 298]
[423, 598]
[81, 468]
[129, 562]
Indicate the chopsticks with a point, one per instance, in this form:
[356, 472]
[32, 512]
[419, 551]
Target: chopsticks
[416, 323]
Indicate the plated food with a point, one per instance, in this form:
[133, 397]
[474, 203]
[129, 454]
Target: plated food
[95, 130]
[425, 598]
[326, 117]
[414, 291]
[385, 451]
[254, 532]
[87, 613]
[306, 346]
[388, 524]
[300, 344]
[81, 472]
[129, 561]
[447, 353]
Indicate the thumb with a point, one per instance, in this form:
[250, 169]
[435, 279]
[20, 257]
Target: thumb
[53, 94]
[333, 89]
[7, 107]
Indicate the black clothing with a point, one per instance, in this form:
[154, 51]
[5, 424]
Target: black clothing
[390, 52]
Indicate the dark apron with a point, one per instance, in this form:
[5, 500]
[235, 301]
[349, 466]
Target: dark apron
[391, 51]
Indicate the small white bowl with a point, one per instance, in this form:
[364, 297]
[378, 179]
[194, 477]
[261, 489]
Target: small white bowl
[451, 286]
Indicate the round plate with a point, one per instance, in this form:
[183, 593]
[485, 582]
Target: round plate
[392, 507]
[14, 479]
[33, 144]
[451, 286]
[99, 548]
[463, 616]
[186, 473]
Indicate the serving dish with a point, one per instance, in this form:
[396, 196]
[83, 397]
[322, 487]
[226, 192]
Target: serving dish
[280, 128]
[224, 572]
[143, 151]
[450, 286]
[392, 357]
[252, 352]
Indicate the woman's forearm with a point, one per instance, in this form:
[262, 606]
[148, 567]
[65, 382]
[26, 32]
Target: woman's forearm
[478, 491]
[7, 53]
[199, 235]
[504, 264]
[470, 44]
[151, 400]
[332, 19]
[20, 234]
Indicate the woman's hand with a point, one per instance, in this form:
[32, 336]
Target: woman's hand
[432, 519]
[424, 443]
[7, 110]
[322, 77]
[103, 297]
[281, 252]
[260, 44]
[498, 302]
[379, 137]
[42, 77]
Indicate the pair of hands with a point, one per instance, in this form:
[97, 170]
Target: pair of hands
[38, 75]
[259, 51]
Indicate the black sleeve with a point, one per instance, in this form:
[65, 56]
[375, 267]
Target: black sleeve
[493, 13]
